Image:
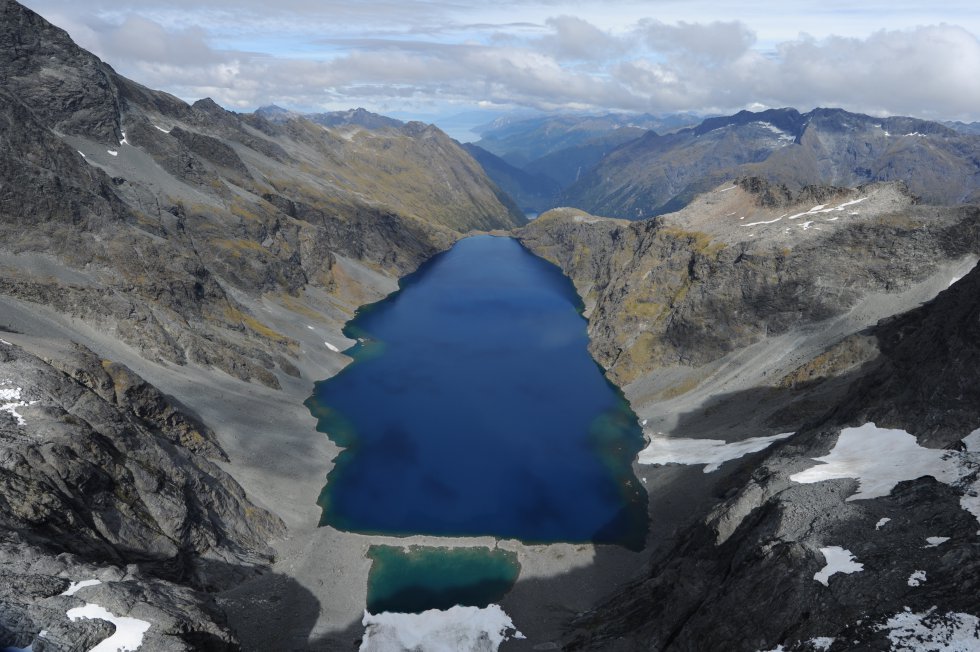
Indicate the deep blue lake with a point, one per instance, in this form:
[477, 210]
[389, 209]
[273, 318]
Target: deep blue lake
[473, 407]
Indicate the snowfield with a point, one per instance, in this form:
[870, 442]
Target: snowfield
[459, 629]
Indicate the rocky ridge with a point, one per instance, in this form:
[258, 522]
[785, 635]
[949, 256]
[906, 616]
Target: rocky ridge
[661, 292]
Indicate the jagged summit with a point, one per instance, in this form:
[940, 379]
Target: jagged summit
[358, 117]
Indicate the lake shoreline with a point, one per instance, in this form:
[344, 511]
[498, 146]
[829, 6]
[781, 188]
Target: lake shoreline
[314, 595]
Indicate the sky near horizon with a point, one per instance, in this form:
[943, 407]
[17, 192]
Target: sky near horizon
[430, 58]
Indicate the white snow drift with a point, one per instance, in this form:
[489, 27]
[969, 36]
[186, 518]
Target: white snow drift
[459, 629]
[129, 631]
[712, 452]
[839, 560]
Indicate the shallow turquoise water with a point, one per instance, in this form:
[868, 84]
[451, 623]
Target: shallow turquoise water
[419, 578]
[472, 407]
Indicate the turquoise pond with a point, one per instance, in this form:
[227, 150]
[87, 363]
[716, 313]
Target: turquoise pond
[473, 407]
[419, 578]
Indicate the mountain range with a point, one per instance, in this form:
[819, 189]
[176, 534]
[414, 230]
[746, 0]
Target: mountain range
[789, 302]
[612, 167]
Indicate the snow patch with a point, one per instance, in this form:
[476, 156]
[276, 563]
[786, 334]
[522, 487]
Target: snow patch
[727, 189]
[880, 458]
[712, 452]
[112, 152]
[166, 131]
[310, 327]
[972, 441]
[124, 141]
[82, 153]
[758, 223]
[953, 280]
[917, 578]
[331, 347]
[932, 632]
[934, 542]
[839, 560]
[75, 587]
[822, 643]
[3, 341]
[460, 629]
[850, 203]
[822, 208]
[806, 225]
[881, 523]
[129, 631]
[10, 400]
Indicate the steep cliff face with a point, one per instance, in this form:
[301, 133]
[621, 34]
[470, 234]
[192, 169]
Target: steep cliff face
[100, 464]
[103, 477]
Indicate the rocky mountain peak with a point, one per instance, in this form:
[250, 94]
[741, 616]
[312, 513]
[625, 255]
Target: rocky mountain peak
[65, 86]
[786, 119]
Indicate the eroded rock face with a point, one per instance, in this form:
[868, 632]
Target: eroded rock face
[98, 463]
[34, 608]
[70, 90]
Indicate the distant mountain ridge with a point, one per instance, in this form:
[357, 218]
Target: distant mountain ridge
[656, 173]
[356, 117]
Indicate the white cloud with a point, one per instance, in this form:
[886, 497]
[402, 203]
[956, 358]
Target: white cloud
[577, 39]
[692, 56]
[713, 43]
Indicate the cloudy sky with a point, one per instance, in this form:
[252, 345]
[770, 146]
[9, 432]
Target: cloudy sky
[439, 57]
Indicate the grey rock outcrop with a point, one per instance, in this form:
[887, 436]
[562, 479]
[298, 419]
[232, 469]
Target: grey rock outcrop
[98, 463]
